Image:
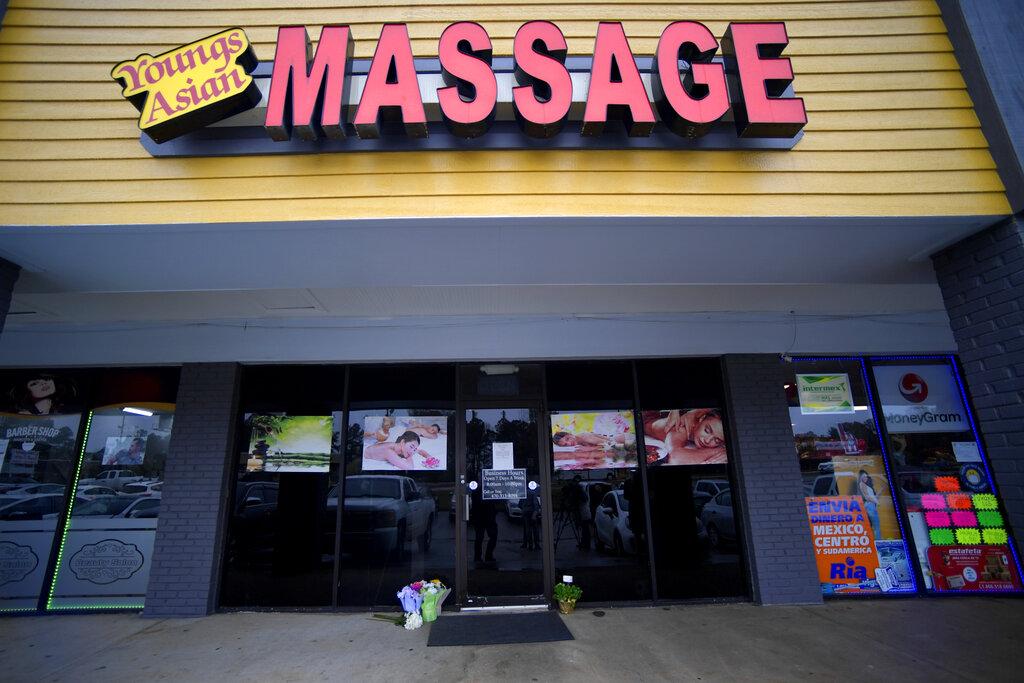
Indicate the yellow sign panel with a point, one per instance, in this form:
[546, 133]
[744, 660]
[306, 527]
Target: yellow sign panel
[191, 86]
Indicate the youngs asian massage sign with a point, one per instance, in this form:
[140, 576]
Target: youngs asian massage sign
[212, 97]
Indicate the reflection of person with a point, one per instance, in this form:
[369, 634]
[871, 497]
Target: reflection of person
[579, 507]
[693, 437]
[866, 488]
[530, 507]
[483, 516]
[41, 395]
[400, 453]
[132, 455]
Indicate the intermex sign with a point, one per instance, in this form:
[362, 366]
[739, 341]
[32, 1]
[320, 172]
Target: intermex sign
[686, 95]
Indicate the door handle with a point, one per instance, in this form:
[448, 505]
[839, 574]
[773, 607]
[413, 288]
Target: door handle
[465, 509]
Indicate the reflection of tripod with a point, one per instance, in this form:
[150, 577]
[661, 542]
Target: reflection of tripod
[565, 517]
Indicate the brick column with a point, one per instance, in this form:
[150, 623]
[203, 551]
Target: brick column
[8, 276]
[193, 511]
[982, 282]
[780, 556]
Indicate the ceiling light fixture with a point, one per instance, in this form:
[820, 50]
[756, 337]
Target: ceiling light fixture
[137, 411]
[496, 369]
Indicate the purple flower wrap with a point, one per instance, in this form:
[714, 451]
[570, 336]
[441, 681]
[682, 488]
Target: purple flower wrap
[410, 600]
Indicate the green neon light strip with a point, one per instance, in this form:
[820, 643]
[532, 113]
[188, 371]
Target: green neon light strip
[71, 505]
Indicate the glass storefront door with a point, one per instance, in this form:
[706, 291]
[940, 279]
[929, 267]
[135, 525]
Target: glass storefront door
[504, 503]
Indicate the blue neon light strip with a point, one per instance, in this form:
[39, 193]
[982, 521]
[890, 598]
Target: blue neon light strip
[888, 473]
[1010, 541]
[885, 459]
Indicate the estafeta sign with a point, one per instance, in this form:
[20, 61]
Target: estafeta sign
[740, 98]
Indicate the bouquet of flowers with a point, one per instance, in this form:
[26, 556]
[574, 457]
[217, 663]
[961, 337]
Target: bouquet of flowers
[433, 594]
[422, 595]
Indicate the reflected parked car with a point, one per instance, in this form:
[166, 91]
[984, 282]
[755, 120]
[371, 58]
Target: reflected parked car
[15, 482]
[611, 519]
[142, 508]
[92, 492]
[34, 490]
[101, 506]
[706, 489]
[33, 507]
[821, 485]
[252, 524]
[514, 510]
[115, 479]
[384, 512]
[142, 488]
[718, 519]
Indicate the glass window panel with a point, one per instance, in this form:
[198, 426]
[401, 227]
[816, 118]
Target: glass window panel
[504, 536]
[280, 550]
[281, 535]
[961, 537]
[108, 545]
[855, 525]
[696, 534]
[38, 436]
[599, 526]
[398, 515]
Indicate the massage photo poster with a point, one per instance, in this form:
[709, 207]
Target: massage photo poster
[593, 440]
[405, 443]
[685, 437]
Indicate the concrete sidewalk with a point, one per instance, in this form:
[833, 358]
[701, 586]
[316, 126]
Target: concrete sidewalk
[903, 640]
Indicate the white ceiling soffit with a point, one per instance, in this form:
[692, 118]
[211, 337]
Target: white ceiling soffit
[377, 302]
[409, 253]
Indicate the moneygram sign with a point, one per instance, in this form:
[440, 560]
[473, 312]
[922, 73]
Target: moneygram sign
[920, 398]
[695, 92]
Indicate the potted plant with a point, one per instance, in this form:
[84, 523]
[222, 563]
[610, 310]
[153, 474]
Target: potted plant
[567, 594]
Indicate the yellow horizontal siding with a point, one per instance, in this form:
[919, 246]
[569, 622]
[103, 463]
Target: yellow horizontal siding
[891, 128]
[426, 206]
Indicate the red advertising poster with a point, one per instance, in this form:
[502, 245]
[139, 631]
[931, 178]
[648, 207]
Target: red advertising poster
[973, 568]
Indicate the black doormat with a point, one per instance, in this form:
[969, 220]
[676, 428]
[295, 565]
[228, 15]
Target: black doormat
[497, 629]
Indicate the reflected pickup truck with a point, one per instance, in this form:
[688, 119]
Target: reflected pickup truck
[383, 513]
[115, 479]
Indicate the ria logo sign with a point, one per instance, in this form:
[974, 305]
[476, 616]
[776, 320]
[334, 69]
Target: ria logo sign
[192, 86]
[913, 388]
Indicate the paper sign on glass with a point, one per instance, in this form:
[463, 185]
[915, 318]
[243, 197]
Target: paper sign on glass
[966, 451]
[502, 455]
[825, 394]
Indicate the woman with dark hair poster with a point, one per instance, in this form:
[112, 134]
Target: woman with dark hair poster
[42, 394]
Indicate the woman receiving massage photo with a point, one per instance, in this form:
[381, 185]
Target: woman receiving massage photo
[693, 437]
[400, 453]
[426, 430]
[587, 448]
